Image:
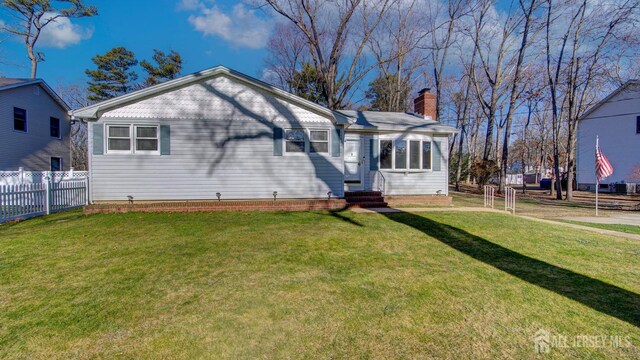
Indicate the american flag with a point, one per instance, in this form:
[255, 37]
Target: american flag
[603, 166]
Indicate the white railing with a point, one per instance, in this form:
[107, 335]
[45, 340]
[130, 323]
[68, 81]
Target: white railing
[510, 199]
[380, 181]
[34, 199]
[20, 176]
[489, 194]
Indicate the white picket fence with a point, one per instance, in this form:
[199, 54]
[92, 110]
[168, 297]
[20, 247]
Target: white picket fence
[27, 200]
[20, 176]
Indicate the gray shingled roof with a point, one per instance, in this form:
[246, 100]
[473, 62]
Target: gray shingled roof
[391, 121]
[11, 81]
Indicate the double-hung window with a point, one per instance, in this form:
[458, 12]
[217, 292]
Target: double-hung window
[295, 140]
[119, 138]
[305, 140]
[142, 139]
[19, 119]
[146, 139]
[401, 154]
[319, 141]
[54, 127]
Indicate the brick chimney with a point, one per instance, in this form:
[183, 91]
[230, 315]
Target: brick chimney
[425, 104]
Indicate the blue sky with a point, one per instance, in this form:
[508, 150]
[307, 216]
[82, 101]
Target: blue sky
[205, 33]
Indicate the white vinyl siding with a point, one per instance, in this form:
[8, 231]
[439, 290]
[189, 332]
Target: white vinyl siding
[409, 181]
[221, 141]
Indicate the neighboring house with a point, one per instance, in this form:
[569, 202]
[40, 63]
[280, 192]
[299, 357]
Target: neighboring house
[35, 127]
[220, 131]
[616, 121]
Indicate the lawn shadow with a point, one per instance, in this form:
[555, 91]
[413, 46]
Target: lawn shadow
[338, 215]
[596, 294]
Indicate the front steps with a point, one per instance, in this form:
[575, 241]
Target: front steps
[365, 199]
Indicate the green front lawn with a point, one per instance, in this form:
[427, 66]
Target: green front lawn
[309, 285]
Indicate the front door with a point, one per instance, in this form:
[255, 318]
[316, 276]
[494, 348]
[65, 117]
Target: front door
[353, 161]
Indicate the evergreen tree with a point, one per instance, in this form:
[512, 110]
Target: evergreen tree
[308, 83]
[388, 93]
[113, 76]
[168, 67]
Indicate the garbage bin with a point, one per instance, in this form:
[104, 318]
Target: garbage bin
[545, 184]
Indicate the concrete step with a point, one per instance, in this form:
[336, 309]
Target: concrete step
[368, 205]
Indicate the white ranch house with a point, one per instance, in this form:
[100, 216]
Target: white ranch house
[220, 131]
[616, 121]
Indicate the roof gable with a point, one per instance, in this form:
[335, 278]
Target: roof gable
[618, 91]
[95, 111]
[12, 83]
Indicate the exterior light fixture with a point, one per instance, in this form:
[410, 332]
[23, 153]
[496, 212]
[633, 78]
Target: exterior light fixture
[218, 195]
[275, 195]
[329, 195]
[130, 198]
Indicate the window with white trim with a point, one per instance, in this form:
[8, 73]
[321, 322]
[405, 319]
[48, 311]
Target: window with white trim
[133, 139]
[54, 127]
[118, 138]
[19, 119]
[294, 140]
[319, 141]
[146, 139]
[56, 163]
[426, 155]
[402, 154]
[306, 140]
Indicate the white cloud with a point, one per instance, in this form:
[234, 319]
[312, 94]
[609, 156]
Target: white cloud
[241, 27]
[61, 33]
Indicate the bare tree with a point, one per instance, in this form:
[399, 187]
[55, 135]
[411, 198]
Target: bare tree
[443, 21]
[394, 46]
[34, 15]
[336, 35]
[76, 96]
[590, 36]
[286, 53]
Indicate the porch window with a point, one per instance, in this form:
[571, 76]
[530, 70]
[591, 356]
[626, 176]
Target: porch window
[426, 155]
[403, 154]
[319, 141]
[414, 154]
[295, 141]
[146, 139]
[119, 138]
[386, 154]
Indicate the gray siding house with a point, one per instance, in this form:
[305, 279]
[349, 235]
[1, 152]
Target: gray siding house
[34, 127]
[616, 121]
[220, 131]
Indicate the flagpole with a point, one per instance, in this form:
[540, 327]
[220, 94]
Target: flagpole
[597, 179]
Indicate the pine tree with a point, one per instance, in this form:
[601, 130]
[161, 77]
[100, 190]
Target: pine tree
[168, 67]
[114, 76]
